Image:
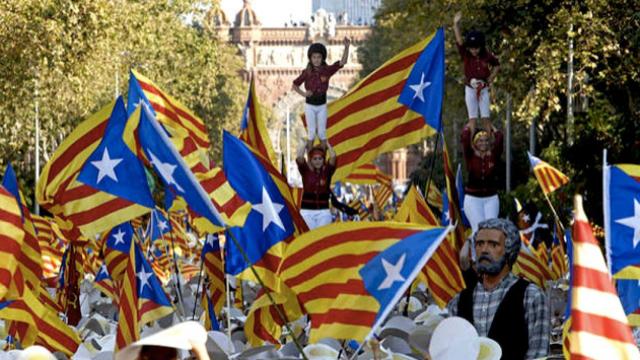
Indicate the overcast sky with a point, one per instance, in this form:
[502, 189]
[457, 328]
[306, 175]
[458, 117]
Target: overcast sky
[271, 12]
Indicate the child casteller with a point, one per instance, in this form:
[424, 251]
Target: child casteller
[316, 83]
[480, 69]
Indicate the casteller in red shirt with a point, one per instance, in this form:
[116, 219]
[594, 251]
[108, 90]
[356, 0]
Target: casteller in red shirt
[477, 67]
[482, 180]
[316, 80]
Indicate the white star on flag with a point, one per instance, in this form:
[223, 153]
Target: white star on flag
[162, 225]
[144, 278]
[103, 270]
[210, 240]
[119, 236]
[393, 272]
[269, 211]
[633, 222]
[166, 171]
[106, 166]
[419, 88]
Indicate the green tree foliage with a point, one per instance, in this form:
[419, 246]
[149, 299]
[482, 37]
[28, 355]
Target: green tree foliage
[74, 52]
[531, 38]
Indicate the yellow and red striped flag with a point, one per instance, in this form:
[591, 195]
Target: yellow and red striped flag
[381, 195]
[78, 207]
[549, 178]
[363, 211]
[233, 209]
[530, 266]
[188, 132]
[365, 174]
[51, 247]
[414, 209]
[434, 196]
[369, 120]
[30, 261]
[442, 274]
[128, 330]
[253, 129]
[214, 268]
[599, 328]
[11, 239]
[455, 215]
[189, 271]
[322, 267]
[264, 323]
[36, 322]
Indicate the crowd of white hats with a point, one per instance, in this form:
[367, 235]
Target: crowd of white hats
[425, 332]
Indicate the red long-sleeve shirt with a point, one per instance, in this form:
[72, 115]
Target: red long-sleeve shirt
[316, 185]
[482, 171]
[316, 80]
[477, 67]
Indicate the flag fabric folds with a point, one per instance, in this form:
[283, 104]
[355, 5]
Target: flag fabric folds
[116, 250]
[76, 206]
[11, 238]
[629, 292]
[442, 274]
[172, 169]
[270, 221]
[388, 109]
[621, 202]
[414, 209]
[453, 213]
[187, 131]
[599, 328]
[37, 323]
[128, 330]
[253, 129]
[30, 261]
[153, 302]
[113, 168]
[51, 247]
[549, 178]
[347, 276]
[104, 283]
[214, 268]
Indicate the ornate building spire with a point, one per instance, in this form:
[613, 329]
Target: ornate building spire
[246, 17]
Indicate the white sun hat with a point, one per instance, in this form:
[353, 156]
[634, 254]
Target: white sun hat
[456, 339]
[489, 349]
[400, 326]
[35, 352]
[320, 352]
[178, 336]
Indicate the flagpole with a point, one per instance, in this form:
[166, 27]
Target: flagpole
[195, 304]
[553, 210]
[175, 270]
[36, 206]
[228, 296]
[267, 291]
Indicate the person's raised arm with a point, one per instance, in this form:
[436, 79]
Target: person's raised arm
[345, 54]
[456, 27]
[302, 147]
